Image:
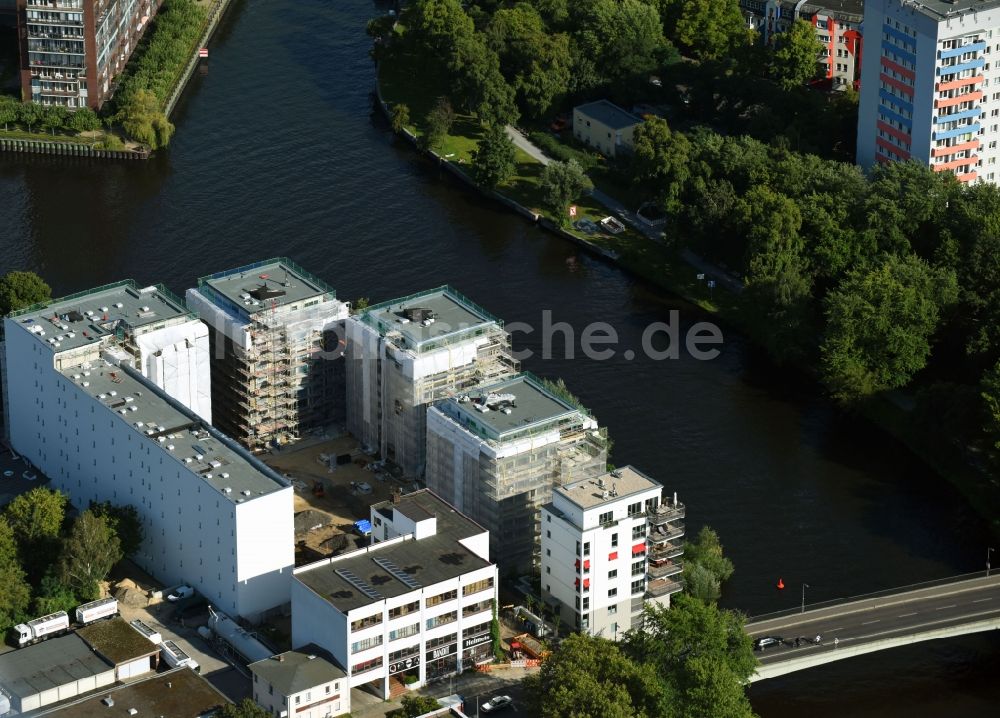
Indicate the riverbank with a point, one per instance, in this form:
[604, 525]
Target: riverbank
[664, 266]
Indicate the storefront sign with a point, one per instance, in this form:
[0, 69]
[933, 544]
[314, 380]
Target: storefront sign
[475, 641]
[442, 652]
[404, 665]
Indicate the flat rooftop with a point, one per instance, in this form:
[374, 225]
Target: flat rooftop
[178, 693]
[48, 665]
[609, 114]
[623, 482]
[85, 318]
[117, 641]
[259, 286]
[424, 563]
[451, 313]
[425, 504]
[509, 406]
[202, 450]
[940, 9]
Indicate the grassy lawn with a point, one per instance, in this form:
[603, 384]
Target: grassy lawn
[18, 134]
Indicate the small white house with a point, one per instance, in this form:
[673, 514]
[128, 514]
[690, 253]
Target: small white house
[604, 126]
[300, 683]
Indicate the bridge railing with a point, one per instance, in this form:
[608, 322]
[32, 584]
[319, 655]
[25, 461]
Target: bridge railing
[865, 596]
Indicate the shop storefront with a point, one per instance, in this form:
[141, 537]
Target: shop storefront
[442, 657]
[476, 648]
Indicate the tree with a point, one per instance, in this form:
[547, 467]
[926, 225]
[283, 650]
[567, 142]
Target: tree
[705, 566]
[84, 120]
[661, 158]
[36, 515]
[479, 86]
[702, 654]
[561, 183]
[15, 593]
[400, 117]
[31, 114]
[591, 676]
[53, 595]
[9, 111]
[143, 119]
[439, 120]
[125, 522]
[22, 289]
[796, 55]
[495, 640]
[879, 325]
[493, 162]
[414, 706]
[709, 29]
[437, 26]
[246, 708]
[990, 395]
[89, 553]
[55, 117]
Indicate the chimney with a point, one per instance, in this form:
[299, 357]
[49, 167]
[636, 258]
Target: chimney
[396, 496]
[280, 657]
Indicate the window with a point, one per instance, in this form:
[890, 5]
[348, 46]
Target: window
[586, 603]
[612, 610]
[442, 597]
[606, 518]
[613, 574]
[404, 632]
[638, 586]
[614, 540]
[367, 643]
[366, 622]
[441, 620]
[367, 665]
[298, 699]
[638, 568]
[586, 549]
[638, 531]
[478, 586]
[635, 508]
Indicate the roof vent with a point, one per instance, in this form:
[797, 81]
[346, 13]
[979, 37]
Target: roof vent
[132, 711]
[104, 309]
[246, 492]
[170, 447]
[208, 476]
[118, 305]
[224, 475]
[108, 701]
[227, 490]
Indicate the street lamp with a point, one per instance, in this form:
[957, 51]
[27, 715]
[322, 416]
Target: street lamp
[804, 587]
[988, 552]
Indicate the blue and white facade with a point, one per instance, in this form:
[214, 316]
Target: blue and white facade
[930, 88]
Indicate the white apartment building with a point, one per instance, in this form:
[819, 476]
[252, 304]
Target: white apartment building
[609, 546]
[213, 516]
[838, 28]
[412, 606]
[275, 337]
[147, 327]
[404, 354]
[300, 683]
[930, 88]
[497, 453]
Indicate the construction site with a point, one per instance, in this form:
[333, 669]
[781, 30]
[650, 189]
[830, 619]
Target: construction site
[405, 354]
[497, 453]
[275, 338]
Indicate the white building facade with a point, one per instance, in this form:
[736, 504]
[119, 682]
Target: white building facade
[302, 684]
[405, 610]
[930, 89]
[404, 354]
[213, 516]
[604, 551]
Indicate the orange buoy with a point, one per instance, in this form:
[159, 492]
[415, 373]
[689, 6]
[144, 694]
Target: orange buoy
[781, 584]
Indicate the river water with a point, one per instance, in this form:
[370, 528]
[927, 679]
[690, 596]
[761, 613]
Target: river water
[279, 152]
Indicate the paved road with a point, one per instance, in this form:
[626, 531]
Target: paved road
[875, 619]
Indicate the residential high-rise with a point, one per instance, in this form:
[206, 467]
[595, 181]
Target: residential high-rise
[275, 351]
[213, 516]
[497, 453]
[609, 546]
[404, 354]
[929, 89]
[414, 606]
[72, 51]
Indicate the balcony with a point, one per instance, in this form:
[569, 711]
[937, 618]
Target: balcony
[664, 568]
[670, 549]
[663, 587]
[664, 533]
[667, 512]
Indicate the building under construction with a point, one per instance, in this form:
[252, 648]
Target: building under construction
[275, 351]
[404, 354]
[497, 453]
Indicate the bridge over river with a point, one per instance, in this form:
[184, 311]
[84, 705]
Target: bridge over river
[858, 625]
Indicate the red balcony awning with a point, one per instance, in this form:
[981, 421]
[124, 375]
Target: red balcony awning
[577, 563]
[586, 565]
[586, 583]
[639, 548]
[612, 556]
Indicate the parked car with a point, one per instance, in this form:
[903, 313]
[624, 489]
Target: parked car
[180, 592]
[496, 703]
[766, 642]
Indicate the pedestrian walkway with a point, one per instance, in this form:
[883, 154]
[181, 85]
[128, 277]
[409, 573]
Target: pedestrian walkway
[703, 266]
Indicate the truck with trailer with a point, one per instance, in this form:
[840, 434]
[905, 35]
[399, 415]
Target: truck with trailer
[175, 656]
[96, 610]
[41, 628]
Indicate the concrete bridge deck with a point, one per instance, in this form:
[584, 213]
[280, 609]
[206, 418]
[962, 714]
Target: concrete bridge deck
[885, 620]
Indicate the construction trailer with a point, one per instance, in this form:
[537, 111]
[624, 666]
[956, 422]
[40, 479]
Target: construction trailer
[405, 354]
[276, 334]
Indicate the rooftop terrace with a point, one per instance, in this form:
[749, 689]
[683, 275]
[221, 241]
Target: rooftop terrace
[391, 569]
[86, 317]
[607, 488]
[262, 285]
[504, 410]
[427, 316]
[199, 448]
